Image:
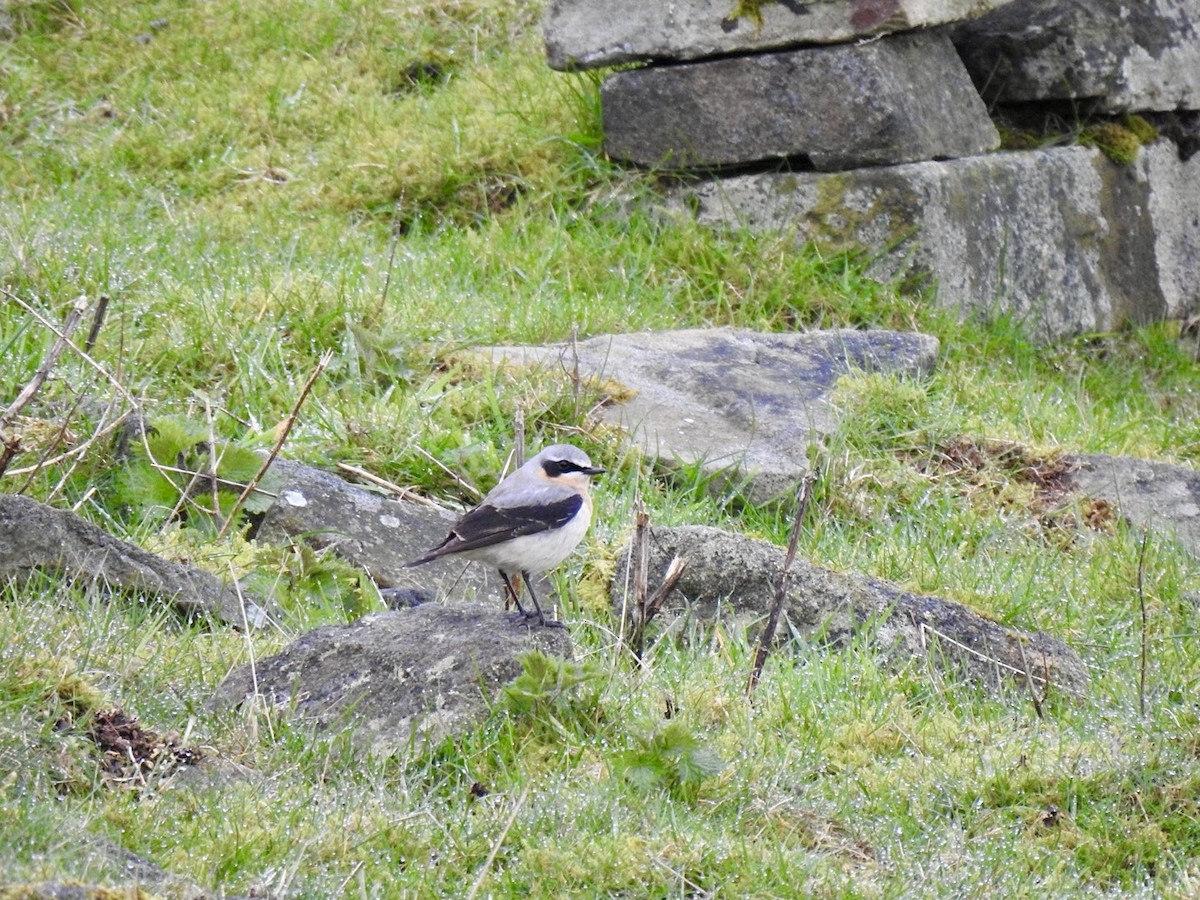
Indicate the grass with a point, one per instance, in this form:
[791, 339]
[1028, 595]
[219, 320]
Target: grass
[397, 182]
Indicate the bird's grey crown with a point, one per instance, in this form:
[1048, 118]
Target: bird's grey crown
[564, 453]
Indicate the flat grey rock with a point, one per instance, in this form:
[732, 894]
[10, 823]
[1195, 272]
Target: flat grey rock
[1111, 55]
[583, 34]
[1161, 496]
[397, 679]
[900, 99]
[372, 531]
[1062, 240]
[726, 399]
[736, 576]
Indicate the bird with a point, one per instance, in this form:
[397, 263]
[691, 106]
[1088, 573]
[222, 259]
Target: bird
[529, 522]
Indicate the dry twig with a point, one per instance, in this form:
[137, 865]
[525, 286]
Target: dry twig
[78, 450]
[283, 435]
[519, 439]
[402, 493]
[654, 602]
[97, 323]
[70, 323]
[1141, 592]
[645, 605]
[82, 354]
[803, 496]
[1038, 702]
[491, 858]
[638, 551]
[74, 317]
[465, 485]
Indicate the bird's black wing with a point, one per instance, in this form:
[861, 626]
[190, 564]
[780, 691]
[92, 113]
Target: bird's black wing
[486, 525]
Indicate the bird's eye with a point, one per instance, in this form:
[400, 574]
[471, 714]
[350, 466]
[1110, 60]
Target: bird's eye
[555, 467]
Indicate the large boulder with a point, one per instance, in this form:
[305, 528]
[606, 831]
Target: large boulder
[731, 401]
[34, 536]
[583, 34]
[374, 532]
[1063, 240]
[898, 100]
[1149, 494]
[1103, 55]
[397, 679]
[736, 576]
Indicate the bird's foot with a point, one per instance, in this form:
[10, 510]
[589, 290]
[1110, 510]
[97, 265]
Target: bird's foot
[535, 620]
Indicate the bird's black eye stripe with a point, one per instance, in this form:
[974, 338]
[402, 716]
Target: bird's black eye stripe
[555, 467]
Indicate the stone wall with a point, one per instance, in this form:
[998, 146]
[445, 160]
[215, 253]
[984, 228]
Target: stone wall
[872, 124]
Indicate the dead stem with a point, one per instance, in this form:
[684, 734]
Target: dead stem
[283, 435]
[70, 323]
[803, 496]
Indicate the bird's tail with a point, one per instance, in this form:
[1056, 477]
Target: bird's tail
[428, 556]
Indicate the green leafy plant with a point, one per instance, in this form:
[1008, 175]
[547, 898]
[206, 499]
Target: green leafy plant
[673, 760]
[552, 690]
[174, 471]
[749, 9]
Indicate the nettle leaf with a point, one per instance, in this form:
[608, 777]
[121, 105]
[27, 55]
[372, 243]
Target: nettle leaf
[698, 764]
[548, 686]
[673, 759]
[173, 457]
[643, 770]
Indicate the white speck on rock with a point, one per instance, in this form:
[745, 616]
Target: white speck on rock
[389, 521]
[440, 668]
[294, 498]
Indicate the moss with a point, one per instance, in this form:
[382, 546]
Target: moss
[840, 222]
[834, 230]
[1012, 138]
[749, 9]
[57, 677]
[1117, 140]
[1144, 131]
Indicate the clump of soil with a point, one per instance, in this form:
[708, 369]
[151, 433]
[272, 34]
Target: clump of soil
[1014, 474]
[130, 753]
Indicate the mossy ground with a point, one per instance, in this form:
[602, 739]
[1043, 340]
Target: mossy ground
[255, 184]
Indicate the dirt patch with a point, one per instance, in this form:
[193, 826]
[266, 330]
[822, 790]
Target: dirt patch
[986, 463]
[989, 464]
[1011, 474]
[130, 753]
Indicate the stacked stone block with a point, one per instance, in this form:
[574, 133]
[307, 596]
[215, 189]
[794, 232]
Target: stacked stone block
[860, 123]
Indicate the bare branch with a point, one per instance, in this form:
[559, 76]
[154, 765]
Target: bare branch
[655, 601]
[465, 485]
[86, 357]
[803, 496]
[78, 449]
[641, 522]
[402, 493]
[1141, 593]
[1038, 702]
[49, 361]
[499, 842]
[519, 439]
[283, 435]
[97, 323]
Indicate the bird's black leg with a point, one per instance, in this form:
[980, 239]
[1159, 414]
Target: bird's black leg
[539, 616]
[511, 594]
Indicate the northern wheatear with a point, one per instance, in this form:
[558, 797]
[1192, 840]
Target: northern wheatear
[529, 522]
